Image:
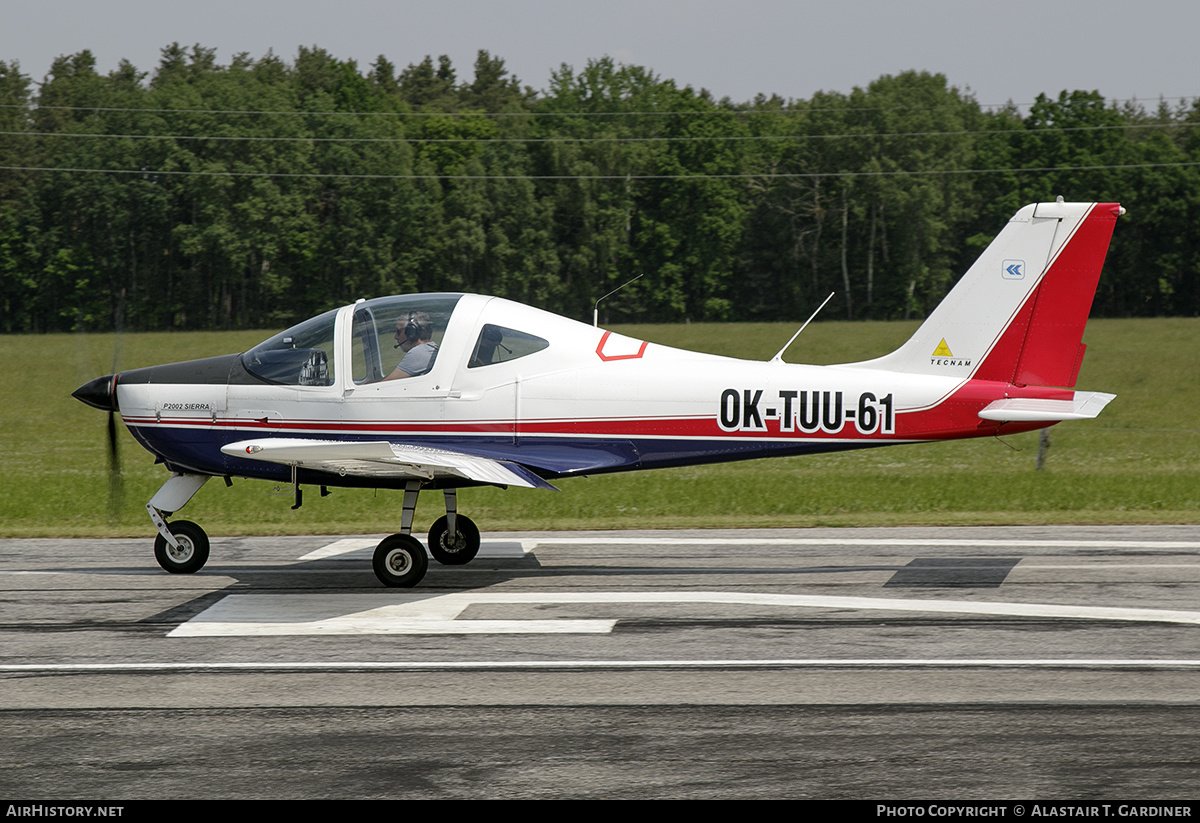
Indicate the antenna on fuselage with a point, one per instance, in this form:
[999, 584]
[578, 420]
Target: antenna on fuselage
[778, 358]
[596, 308]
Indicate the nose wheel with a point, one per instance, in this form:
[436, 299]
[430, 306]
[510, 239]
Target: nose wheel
[189, 555]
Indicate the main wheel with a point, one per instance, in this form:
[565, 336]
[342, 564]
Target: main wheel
[192, 553]
[400, 561]
[456, 549]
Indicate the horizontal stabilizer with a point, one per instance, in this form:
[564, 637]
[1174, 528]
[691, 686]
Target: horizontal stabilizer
[1085, 405]
[379, 458]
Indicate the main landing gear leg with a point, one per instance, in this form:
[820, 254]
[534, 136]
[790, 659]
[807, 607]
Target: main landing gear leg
[400, 560]
[453, 539]
[181, 547]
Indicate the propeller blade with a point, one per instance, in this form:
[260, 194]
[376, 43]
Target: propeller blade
[115, 486]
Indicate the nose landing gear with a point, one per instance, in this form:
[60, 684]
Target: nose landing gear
[180, 547]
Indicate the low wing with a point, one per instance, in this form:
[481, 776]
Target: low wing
[380, 458]
[1083, 406]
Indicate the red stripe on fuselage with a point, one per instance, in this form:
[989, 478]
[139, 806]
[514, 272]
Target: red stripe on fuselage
[955, 416]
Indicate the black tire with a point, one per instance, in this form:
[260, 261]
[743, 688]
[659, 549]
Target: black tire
[192, 553]
[456, 549]
[400, 561]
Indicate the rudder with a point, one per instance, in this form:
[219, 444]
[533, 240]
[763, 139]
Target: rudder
[1043, 345]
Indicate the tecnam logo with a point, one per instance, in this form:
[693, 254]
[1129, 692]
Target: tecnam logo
[942, 356]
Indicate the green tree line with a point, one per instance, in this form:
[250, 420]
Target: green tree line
[256, 193]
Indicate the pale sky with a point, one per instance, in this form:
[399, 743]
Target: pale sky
[999, 51]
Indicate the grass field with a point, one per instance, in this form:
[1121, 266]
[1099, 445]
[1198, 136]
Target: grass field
[1139, 462]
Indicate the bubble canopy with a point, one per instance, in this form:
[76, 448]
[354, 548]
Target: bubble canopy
[303, 354]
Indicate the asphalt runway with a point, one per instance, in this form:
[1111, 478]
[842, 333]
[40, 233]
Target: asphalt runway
[965, 663]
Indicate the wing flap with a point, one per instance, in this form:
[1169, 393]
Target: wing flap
[1085, 405]
[380, 458]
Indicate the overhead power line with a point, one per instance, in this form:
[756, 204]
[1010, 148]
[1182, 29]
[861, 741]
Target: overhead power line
[790, 108]
[671, 139]
[737, 176]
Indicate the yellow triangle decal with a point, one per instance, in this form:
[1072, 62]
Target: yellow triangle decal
[942, 350]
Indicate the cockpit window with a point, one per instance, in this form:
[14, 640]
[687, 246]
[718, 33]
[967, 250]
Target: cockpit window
[497, 344]
[300, 356]
[406, 329]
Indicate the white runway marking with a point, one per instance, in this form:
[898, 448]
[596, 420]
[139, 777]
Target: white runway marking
[535, 665]
[416, 613]
[388, 613]
[354, 548]
[531, 544]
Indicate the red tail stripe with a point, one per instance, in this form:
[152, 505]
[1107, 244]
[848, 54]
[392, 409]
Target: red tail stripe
[1041, 345]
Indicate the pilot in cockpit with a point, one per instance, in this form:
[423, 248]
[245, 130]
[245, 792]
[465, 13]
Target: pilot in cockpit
[414, 336]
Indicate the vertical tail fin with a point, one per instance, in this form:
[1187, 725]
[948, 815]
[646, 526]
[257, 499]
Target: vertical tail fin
[1017, 315]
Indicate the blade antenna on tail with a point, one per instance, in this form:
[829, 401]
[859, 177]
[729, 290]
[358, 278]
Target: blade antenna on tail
[778, 358]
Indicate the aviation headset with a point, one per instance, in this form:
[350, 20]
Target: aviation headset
[412, 330]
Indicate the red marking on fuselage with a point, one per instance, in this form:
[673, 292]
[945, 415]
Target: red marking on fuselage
[607, 357]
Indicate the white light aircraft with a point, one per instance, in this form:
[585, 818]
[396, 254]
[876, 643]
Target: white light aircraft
[492, 392]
